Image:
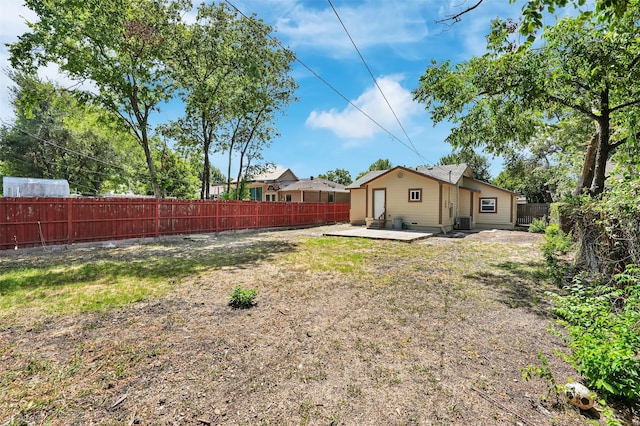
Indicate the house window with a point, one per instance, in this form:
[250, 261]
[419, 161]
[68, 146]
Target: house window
[415, 195]
[488, 205]
[271, 197]
[331, 198]
[255, 194]
[288, 198]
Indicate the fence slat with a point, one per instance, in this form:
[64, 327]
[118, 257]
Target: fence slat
[530, 211]
[30, 222]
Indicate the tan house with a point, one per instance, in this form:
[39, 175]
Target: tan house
[314, 190]
[438, 198]
[283, 185]
[265, 187]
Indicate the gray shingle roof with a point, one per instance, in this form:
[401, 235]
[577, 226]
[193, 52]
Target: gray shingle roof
[366, 178]
[315, 184]
[273, 175]
[448, 172]
[437, 172]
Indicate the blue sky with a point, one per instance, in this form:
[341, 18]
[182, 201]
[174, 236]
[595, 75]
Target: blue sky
[322, 131]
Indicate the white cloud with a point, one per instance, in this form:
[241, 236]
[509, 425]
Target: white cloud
[369, 23]
[351, 124]
[12, 24]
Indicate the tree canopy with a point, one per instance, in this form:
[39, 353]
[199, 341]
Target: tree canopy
[532, 13]
[506, 97]
[56, 137]
[478, 163]
[379, 164]
[233, 79]
[341, 176]
[117, 46]
[130, 57]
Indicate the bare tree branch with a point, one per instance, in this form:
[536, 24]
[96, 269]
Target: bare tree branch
[456, 17]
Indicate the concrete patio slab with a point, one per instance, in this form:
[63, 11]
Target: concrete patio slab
[380, 234]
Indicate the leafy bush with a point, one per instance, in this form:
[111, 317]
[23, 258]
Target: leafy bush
[604, 334]
[538, 226]
[241, 298]
[556, 243]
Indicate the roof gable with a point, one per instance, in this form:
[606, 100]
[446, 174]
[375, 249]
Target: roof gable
[280, 174]
[366, 178]
[376, 174]
[472, 184]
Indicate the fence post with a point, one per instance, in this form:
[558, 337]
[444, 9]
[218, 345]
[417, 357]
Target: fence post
[69, 221]
[157, 212]
[217, 224]
[290, 214]
[258, 214]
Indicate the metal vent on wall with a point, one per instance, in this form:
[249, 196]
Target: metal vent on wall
[464, 223]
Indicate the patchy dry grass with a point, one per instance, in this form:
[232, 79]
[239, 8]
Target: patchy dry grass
[345, 331]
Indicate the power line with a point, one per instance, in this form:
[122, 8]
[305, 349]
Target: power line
[134, 174]
[319, 77]
[376, 82]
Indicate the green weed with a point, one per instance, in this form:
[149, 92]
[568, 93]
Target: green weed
[241, 298]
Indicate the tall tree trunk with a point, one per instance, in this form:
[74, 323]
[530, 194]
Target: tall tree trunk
[586, 175]
[153, 176]
[206, 166]
[602, 155]
[206, 173]
[229, 170]
[239, 176]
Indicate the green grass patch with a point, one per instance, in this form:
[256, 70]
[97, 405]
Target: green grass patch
[55, 286]
[343, 255]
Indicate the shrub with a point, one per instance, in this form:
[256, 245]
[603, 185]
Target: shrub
[604, 336]
[241, 298]
[538, 226]
[556, 243]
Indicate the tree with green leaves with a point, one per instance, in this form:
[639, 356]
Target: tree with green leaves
[547, 170]
[176, 176]
[119, 47]
[478, 163]
[504, 98]
[202, 65]
[532, 14]
[234, 80]
[341, 176]
[56, 137]
[379, 164]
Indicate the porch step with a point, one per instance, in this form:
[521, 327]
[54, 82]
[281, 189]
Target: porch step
[376, 224]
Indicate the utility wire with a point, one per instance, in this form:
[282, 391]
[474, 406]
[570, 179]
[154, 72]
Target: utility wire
[135, 174]
[319, 77]
[376, 82]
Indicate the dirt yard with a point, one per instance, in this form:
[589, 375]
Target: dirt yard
[345, 332]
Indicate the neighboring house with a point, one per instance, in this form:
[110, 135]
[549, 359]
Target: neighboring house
[314, 190]
[438, 198]
[283, 185]
[265, 187]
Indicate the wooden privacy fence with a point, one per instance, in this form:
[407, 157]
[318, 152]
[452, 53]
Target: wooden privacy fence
[29, 222]
[528, 212]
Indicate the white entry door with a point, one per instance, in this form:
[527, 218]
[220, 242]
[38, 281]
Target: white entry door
[378, 203]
